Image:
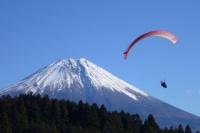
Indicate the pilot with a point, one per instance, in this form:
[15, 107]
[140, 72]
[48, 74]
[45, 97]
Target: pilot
[163, 84]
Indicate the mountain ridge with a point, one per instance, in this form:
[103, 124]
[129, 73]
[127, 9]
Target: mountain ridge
[80, 79]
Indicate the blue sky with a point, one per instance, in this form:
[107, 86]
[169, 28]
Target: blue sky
[38, 32]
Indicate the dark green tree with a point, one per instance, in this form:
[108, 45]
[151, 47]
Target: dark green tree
[39, 114]
[188, 129]
[5, 126]
[150, 125]
[180, 129]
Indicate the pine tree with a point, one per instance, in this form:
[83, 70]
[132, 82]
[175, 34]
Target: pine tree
[180, 129]
[188, 129]
[29, 113]
[5, 126]
[150, 125]
[137, 123]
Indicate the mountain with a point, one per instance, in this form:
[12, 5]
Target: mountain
[80, 79]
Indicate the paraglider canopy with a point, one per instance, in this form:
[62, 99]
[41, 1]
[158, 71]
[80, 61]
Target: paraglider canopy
[163, 84]
[160, 33]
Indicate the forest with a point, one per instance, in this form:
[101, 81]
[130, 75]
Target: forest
[40, 114]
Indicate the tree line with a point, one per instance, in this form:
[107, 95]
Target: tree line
[40, 114]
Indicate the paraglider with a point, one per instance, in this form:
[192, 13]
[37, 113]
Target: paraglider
[160, 33]
[163, 84]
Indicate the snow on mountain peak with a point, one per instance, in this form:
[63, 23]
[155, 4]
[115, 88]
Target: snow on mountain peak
[71, 73]
[80, 79]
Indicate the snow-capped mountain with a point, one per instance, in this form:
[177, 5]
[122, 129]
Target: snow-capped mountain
[80, 79]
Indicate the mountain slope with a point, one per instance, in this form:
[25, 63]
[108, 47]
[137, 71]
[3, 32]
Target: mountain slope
[82, 80]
